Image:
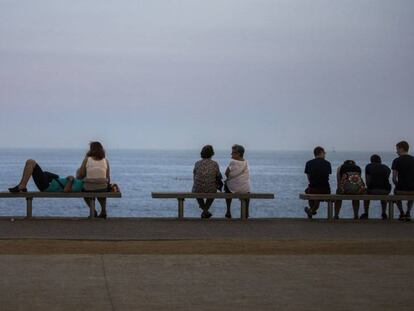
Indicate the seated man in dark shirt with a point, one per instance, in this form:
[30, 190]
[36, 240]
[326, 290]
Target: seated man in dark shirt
[377, 177]
[318, 171]
[403, 177]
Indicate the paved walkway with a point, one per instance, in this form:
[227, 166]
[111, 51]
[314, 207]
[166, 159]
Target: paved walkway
[172, 229]
[194, 282]
[158, 264]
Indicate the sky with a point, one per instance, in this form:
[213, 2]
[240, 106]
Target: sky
[178, 74]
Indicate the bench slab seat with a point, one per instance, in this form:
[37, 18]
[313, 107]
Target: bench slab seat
[243, 197]
[29, 196]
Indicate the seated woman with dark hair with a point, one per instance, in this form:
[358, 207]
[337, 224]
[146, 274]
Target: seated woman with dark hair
[95, 173]
[207, 178]
[349, 182]
[46, 181]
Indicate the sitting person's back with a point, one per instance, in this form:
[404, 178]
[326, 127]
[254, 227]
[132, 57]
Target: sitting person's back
[207, 178]
[95, 169]
[377, 176]
[238, 179]
[206, 173]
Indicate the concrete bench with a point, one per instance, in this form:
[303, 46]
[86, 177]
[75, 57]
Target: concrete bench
[243, 197]
[29, 196]
[331, 198]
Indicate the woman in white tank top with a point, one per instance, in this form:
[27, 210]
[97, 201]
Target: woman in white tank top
[95, 173]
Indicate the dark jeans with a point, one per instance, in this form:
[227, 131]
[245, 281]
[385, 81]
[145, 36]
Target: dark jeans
[314, 205]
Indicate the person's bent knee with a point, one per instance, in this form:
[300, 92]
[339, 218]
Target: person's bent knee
[31, 162]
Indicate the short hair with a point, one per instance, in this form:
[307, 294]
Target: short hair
[403, 145]
[349, 162]
[207, 152]
[318, 150]
[239, 149]
[375, 158]
[96, 150]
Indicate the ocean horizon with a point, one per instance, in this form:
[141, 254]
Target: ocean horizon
[139, 172]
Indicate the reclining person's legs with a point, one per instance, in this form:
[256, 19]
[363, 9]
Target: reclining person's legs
[41, 179]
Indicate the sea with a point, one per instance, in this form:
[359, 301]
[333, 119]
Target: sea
[140, 172]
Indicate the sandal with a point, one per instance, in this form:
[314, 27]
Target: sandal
[17, 189]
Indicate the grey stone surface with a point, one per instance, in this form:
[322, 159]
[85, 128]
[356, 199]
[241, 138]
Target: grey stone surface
[167, 229]
[193, 282]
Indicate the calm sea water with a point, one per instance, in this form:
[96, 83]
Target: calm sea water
[138, 173]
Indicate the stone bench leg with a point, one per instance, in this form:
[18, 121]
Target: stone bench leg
[391, 210]
[92, 208]
[330, 210]
[29, 207]
[243, 209]
[180, 208]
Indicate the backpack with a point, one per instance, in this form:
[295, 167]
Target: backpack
[352, 183]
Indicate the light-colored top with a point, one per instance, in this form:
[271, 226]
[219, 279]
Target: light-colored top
[206, 172]
[238, 180]
[95, 174]
[96, 168]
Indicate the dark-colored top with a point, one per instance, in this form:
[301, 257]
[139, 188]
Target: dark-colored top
[318, 171]
[379, 176]
[404, 165]
[206, 172]
[349, 168]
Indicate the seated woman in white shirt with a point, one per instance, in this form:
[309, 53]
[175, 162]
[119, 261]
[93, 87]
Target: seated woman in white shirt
[95, 173]
[238, 176]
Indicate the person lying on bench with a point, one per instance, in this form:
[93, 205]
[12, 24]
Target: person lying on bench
[46, 181]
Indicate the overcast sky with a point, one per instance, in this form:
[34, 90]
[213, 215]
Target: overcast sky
[164, 74]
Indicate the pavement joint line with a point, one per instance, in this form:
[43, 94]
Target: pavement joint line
[108, 292]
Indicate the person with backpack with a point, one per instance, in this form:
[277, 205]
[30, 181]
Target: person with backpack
[349, 182]
[403, 177]
[317, 170]
[377, 177]
[46, 181]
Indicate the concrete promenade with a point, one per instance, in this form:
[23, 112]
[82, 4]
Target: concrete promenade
[165, 264]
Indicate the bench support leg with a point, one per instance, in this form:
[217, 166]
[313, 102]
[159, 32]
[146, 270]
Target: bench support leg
[92, 208]
[391, 210]
[180, 208]
[243, 209]
[29, 207]
[330, 210]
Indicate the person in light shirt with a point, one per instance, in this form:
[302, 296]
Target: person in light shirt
[238, 176]
[95, 173]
